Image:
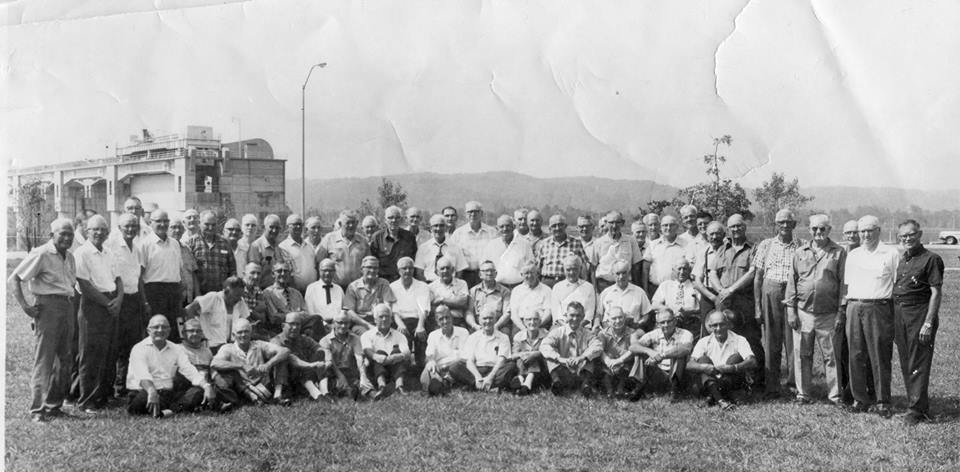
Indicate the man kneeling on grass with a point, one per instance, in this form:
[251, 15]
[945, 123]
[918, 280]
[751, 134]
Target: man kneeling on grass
[722, 360]
[486, 352]
[343, 359]
[246, 365]
[304, 368]
[571, 352]
[531, 369]
[444, 365]
[154, 362]
[664, 352]
[387, 353]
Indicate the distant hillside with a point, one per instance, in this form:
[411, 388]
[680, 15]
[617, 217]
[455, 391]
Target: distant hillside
[508, 190]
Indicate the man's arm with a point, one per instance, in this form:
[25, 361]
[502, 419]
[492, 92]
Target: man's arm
[91, 293]
[933, 309]
[13, 282]
[549, 348]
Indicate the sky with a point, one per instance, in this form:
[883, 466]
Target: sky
[860, 93]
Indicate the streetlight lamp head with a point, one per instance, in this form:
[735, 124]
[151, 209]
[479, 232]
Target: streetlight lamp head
[322, 64]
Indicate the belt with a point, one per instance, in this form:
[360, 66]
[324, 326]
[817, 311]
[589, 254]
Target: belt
[53, 295]
[870, 301]
[782, 284]
[547, 277]
[911, 300]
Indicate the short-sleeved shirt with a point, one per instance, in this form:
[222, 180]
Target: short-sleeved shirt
[525, 301]
[160, 366]
[281, 301]
[162, 259]
[733, 262]
[305, 348]
[318, 303]
[411, 301]
[302, 258]
[918, 270]
[485, 349]
[127, 265]
[522, 342]
[606, 251]
[387, 343]
[342, 353]
[663, 256]
[199, 356]
[550, 255]
[267, 255]
[47, 273]
[347, 255]
[473, 242]
[681, 340]
[616, 345]
[96, 266]
[816, 278]
[258, 354]
[456, 288]
[632, 300]
[717, 352]
[390, 248]
[361, 299]
[508, 259]
[214, 319]
[704, 262]
[497, 299]
[215, 261]
[430, 252]
[677, 296]
[775, 258]
[870, 274]
[565, 292]
[440, 347]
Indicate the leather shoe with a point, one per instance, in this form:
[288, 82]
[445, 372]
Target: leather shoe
[858, 407]
[884, 411]
[913, 418]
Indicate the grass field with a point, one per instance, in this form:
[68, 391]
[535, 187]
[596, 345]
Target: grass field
[495, 432]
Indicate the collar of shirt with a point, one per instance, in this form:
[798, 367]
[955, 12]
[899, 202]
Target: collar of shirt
[913, 252]
[294, 242]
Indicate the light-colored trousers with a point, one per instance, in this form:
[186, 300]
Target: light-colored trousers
[815, 330]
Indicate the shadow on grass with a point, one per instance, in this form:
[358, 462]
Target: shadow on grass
[945, 409]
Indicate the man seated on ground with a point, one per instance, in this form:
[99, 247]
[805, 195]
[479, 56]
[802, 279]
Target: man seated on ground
[281, 299]
[628, 297]
[571, 352]
[721, 360]
[343, 359]
[679, 295]
[490, 294]
[387, 353]
[574, 289]
[664, 352]
[303, 369]
[531, 369]
[199, 354]
[619, 377]
[444, 364]
[451, 292]
[153, 364]
[246, 365]
[486, 353]
[365, 293]
[324, 299]
[218, 310]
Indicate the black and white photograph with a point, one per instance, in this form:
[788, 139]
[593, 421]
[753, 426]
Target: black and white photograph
[480, 235]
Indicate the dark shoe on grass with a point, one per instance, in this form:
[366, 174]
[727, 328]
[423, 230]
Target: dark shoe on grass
[884, 411]
[556, 389]
[802, 400]
[913, 418]
[858, 407]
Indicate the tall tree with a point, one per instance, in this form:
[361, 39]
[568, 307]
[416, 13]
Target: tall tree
[778, 193]
[720, 197]
[389, 193]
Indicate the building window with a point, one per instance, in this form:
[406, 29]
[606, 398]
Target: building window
[179, 184]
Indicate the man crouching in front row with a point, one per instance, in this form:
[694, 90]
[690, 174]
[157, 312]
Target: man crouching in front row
[246, 365]
[722, 361]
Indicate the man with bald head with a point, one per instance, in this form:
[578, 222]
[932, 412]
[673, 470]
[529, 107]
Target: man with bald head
[663, 254]
[213, 253]
[154, 364]
[266, 250]
[300, 254]
[436, 248]
[551, 253]
[774, 262]
[472, 237]
[652, 221]
[345, 247]
[611, 247]
[50, 273]
[627, 297]
[392, 243]
[813, 297]
[162, 260]
[870, 273]
[132, 321]
[722, 361]
[249, 367]
[305, 367]
[509, 253]
[101, 296]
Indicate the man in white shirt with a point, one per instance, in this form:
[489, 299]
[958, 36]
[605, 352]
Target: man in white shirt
[472, 238]
[508, 252]
[300, 254]
[133, 318]
[387, 353]
[411, 308]
[573, 289]
[324, 298]
[486, 352]
[870, 273]
[722, 361]
[664, 353]
[444, 364]
[626, 296]
[437, 247]
[663, 253]
[531, 297]
[162, 259]
[611, 247]
[217, 311]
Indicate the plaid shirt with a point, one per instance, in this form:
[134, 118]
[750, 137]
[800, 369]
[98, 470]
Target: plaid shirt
[775, 258]
[550, 255]
[215, 262]
[497, 298]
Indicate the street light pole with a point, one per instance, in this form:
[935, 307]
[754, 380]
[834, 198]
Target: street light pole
[303, 139]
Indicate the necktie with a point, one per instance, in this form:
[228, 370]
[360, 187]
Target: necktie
[439, 255]
[680, 296]
[326, 289]
[576, 343]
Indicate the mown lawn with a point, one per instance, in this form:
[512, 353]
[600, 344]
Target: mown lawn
[493, 432]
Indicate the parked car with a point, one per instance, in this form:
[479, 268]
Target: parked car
[949, 237]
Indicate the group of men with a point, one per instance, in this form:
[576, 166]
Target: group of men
[241, 317]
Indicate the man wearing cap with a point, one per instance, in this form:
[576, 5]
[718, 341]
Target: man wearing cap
[452, 292]
[392, 243]
[574, 289]
[585, 227]
[413, 225]
[509, 253]
[343, 359]
[489, 295]
[916, 305]
[733, 273]
[324, 299]
[629, 298]
[215, 259]
[365, 293]
[551, 252]
[299, 254]
[774, 263]
[411, 308]
[345, 247]
[437, 247]
[611, 247]
[281, 299]
[870, 274]
[472, 238]
[387, 353]
[813, 297]
[162, 260]
[529, 297]
[305, 367]
[663, 254]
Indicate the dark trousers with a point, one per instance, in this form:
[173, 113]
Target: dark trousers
[353, 381]
[222, 395]
[390, 373]
[564, 380]
[870, 329]
[98, 353]
[602, 284]
[53, 358]
[745, 324]
[132, 329]
[176, 400]
[720, 386]
[506, 373]
[915, 358]
[777, 334]
[165, 299]
[417, 346]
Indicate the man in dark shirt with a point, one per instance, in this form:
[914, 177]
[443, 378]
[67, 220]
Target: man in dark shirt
[392, 243]
[916, 296]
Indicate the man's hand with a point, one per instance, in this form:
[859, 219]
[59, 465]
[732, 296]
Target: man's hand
[793, 319]
[758, 313]
[421, 332]
[113, 306]
[147, 310]
[32, 311]
[841, 319]
[402, 328]
[926, 333]
[153, 403]
[209, 395]
[342, 382]
[654, 360]
[722, 297]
